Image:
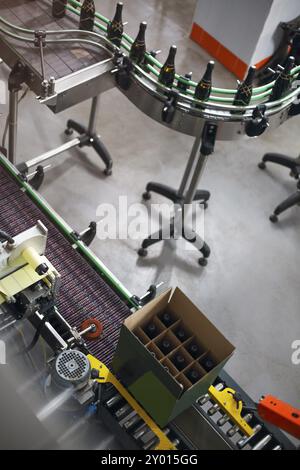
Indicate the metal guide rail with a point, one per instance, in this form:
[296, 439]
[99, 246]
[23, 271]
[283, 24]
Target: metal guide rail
[87, 289]
[173, 107]
[79, 66]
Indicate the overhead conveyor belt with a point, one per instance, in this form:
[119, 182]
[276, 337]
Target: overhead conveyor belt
[83, 293]
[185, 114]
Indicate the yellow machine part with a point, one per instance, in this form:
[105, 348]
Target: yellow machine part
[25, 276]
[233, 408]
[32, 257]
[108, 377]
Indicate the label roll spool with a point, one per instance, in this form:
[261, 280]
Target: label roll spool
[35, 261]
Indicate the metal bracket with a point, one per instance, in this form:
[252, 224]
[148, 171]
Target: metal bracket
[40, 38]
[169, 108]
[89, 234]
[37, 180]
[232, 405]
[150, 295]
[208, 138]
[40, 42]
[123, 75]
[259, 122]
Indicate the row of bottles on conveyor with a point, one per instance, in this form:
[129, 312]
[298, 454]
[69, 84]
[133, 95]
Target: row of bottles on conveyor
[173, 341]
[167, 76]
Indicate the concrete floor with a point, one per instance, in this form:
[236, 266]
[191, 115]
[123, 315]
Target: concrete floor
[250, 288]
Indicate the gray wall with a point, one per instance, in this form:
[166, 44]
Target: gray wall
[249, 29]
[237, 24]
[282, 10]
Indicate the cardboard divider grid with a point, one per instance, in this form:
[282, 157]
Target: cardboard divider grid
[169, 366]
[184, 381]
[152, 347]
[141, 335]
[167, 360]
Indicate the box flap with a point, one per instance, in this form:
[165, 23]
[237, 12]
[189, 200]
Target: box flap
[152, 308]
[200, 326]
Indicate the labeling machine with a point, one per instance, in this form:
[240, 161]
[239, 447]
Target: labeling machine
[68, 296]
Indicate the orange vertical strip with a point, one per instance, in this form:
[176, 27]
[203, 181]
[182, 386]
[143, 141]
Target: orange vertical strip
[218, 51]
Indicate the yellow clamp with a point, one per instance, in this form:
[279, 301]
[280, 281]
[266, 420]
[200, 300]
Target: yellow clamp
[105, 376]
[233, 408]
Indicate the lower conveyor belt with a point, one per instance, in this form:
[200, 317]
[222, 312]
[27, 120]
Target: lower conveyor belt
[83, 293]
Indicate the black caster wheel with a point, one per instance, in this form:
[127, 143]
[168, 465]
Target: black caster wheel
[108, 172]
[274, 219]
[202, 262]
[142, 252]
[146, 196]
[262, 166]
[294, 175]
[69, 131]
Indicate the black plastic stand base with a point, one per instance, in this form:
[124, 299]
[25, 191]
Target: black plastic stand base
[91, 139]
[173, 195]
[188, 193]
[293, 164]
[187, 235]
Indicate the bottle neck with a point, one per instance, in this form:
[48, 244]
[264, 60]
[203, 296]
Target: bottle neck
[142, 31]
[250, 77]
[118, 15]
[208, 73]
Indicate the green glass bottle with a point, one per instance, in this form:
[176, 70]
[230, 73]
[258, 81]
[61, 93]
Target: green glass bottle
[151, 330]
[193, 376]
[115, 27]
[87, 15]
[165, 346]
[167, 319]
[138, 48]
[59, 8]
[167, 73]
[203, 89]
[179, 361]
[283, 83]
[244, 92]
[181, 334]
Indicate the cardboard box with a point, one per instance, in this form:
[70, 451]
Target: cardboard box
[150, 375]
